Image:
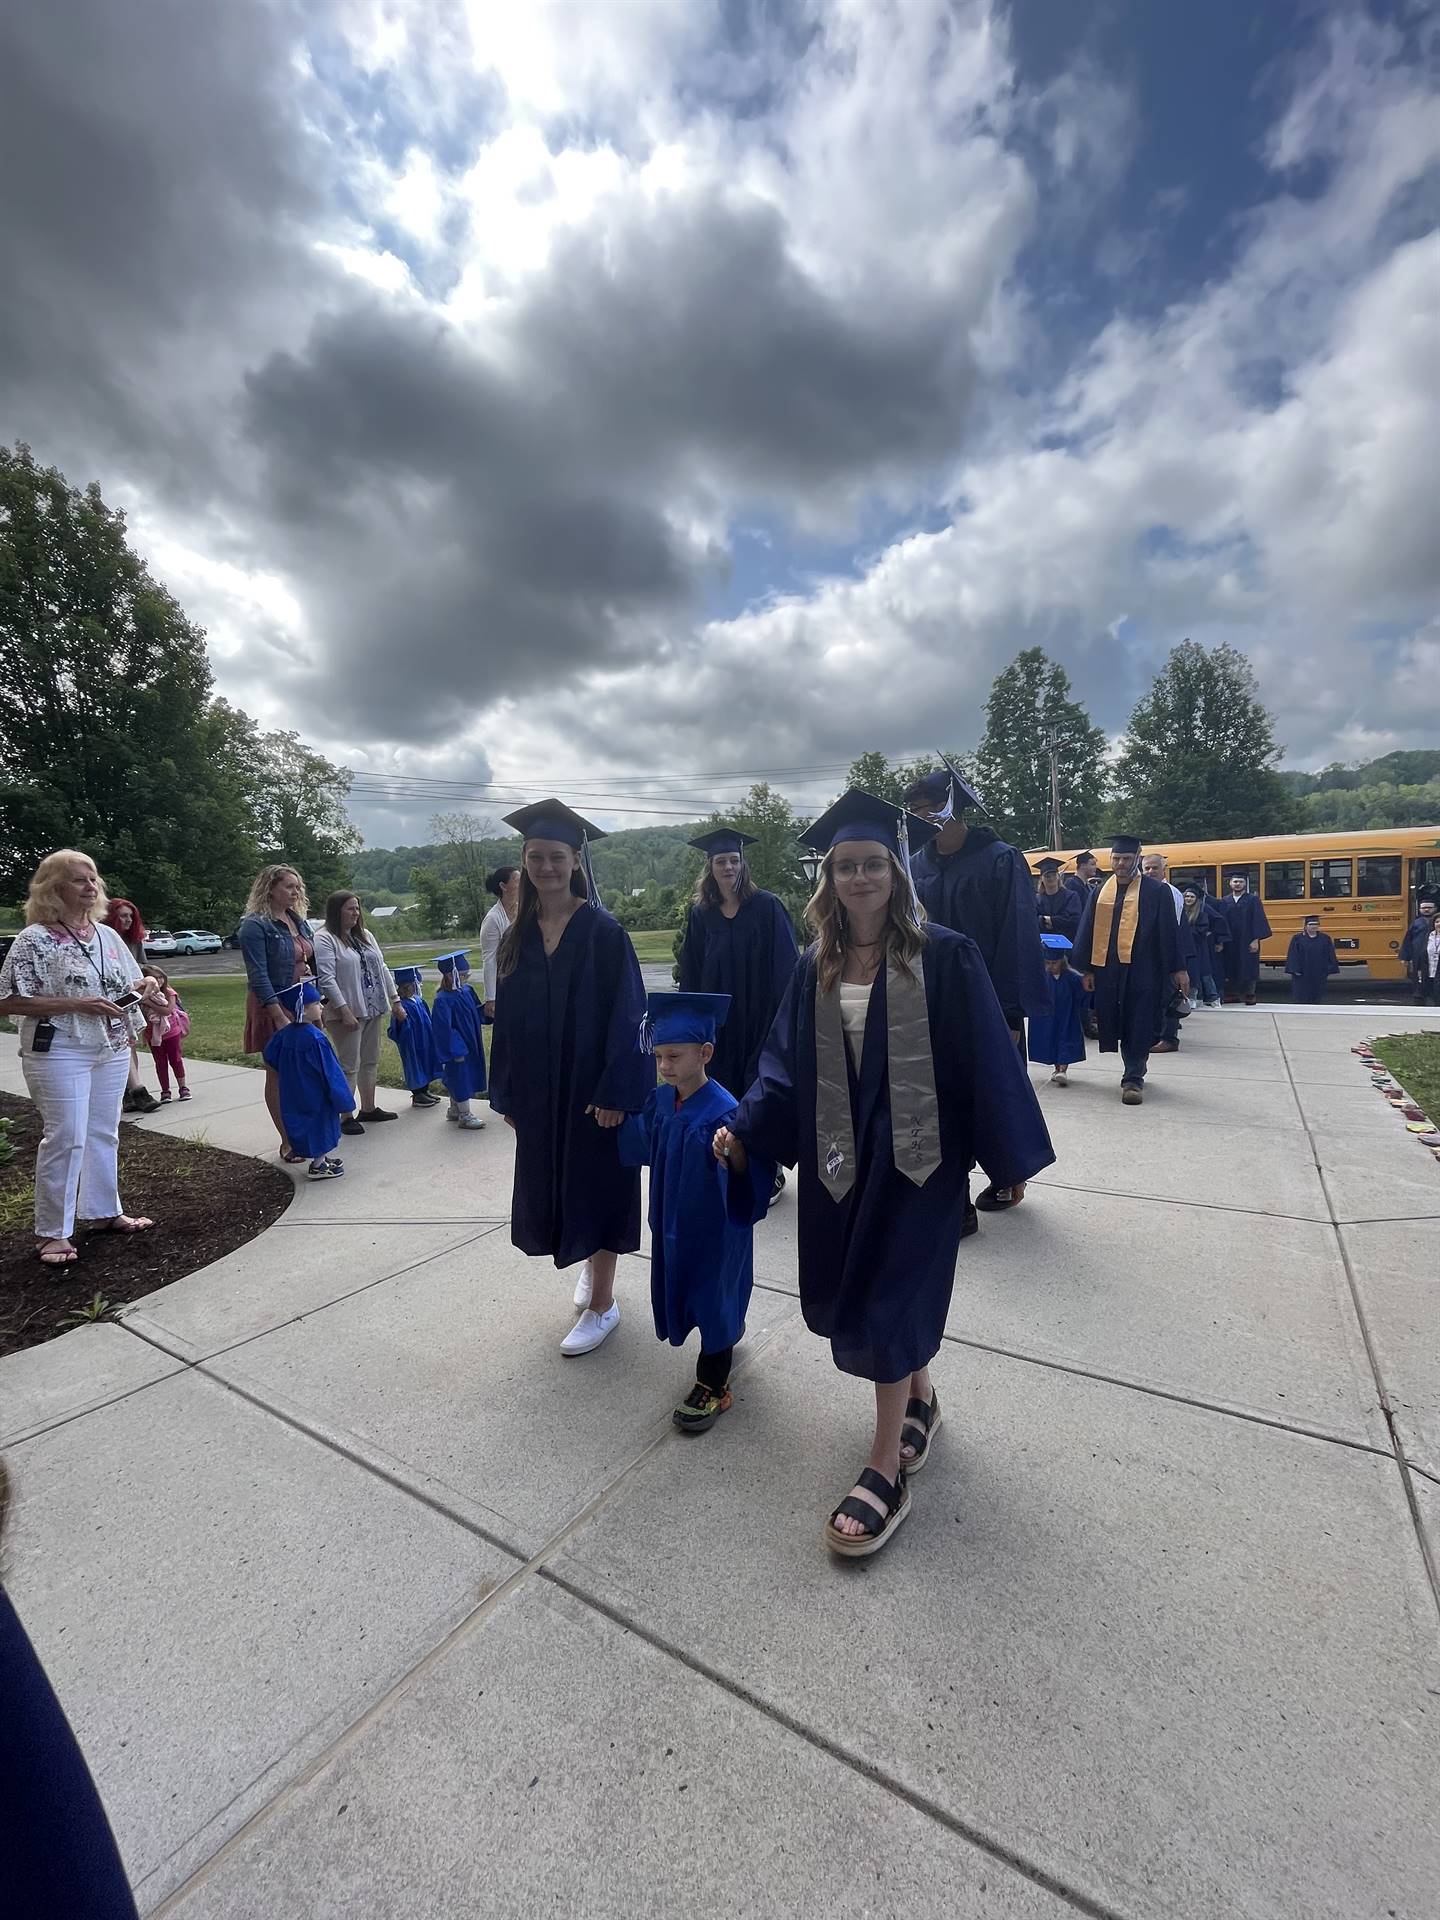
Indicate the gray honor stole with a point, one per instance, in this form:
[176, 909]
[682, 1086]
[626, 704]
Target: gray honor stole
[914, 1105]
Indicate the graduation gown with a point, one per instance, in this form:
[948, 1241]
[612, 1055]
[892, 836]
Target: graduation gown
[701, 1266]
[1209, 922]
[566, 1038]
[1057, 1038]
[1058, 913]
[1415, 949]
[459, 1042]
[1310, 964]
[1130, 1000]
[877, 1266]
[314, 1093]
[414, 1039]
[751, 958]
[986, 890]
[1244, 921]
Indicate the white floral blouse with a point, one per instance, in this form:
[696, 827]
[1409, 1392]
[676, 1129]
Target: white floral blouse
[43, 964]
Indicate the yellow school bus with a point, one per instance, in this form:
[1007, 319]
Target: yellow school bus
[1362, 885]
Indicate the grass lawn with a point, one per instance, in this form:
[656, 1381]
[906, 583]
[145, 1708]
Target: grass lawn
[1414, 1059]
[651, 947]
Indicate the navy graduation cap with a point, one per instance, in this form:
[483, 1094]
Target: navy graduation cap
[452, 962]
[553, 820]
[946, 788]
[722, 840]
[674, 1019]
[1125, 843]
[1049, 864]
[864, 816]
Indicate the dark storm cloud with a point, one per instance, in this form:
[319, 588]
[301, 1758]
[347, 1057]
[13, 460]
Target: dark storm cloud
[153, 177]
[492, 529]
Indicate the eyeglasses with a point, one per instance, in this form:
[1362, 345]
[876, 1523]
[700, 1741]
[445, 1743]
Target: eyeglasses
[875, 868]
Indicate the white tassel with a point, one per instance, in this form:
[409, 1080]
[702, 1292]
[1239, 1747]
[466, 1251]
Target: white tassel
[646, 1035]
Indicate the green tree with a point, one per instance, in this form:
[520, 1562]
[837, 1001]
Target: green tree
[105, 730]
[873, 773]
[465, 843]
[1197, 759]
[1029, 705]
[434, 901]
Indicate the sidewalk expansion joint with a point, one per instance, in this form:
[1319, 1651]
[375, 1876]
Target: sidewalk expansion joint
[1397, 1448]
[1162, 1200]
[918, 1802]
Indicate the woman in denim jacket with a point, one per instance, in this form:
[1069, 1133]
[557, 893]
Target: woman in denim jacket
[278, 948]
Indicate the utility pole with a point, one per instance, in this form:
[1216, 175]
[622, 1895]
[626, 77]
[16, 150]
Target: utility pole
[1052, 747]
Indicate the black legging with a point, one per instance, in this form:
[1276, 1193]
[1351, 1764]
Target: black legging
[713, 1369]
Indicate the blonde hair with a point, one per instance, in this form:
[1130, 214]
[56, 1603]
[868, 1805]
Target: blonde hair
[44, 905]
[828, 921]
[266, 882]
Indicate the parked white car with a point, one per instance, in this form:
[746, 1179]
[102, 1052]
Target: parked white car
[159, 941]
[192, 940]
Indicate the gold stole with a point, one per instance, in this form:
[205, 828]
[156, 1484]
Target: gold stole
[1104, 918]
[910, 1072]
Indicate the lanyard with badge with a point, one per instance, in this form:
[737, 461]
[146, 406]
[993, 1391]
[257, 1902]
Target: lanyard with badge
[123, 999]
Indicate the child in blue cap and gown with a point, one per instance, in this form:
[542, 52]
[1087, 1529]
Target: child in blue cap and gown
[1310, 961]
[565, 1069]
[314, 1093]
[701, 1269]
[738, 941]
[459, 1042]
[1057, 1039]
[888, 1073]
[413, 1034]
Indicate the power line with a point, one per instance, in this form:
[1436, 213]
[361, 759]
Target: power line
[609, 782]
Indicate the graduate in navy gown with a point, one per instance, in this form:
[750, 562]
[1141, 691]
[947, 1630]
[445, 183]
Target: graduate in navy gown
[1057, 1038]
[1206, 923]
[1246, 927]
[313, 1091]
[565, 1066]
[1310, 961]
[888, 1073]
[701, 1267]
[414, 1038]
[1415, 948]
[1128, 949]
[738, 941]
[1057, 906]
[457, 1031]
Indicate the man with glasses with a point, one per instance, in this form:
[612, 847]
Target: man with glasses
[1420, 950]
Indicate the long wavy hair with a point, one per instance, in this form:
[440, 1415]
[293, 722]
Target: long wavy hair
[527, 911]
[137, 936]
[707, 887]
[44, 905]
[265, 883]
[828, 921]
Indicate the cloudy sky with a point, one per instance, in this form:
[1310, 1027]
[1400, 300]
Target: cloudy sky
[576, 391]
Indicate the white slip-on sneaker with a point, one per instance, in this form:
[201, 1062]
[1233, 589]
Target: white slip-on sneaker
[591, 1330]
[584, 1286]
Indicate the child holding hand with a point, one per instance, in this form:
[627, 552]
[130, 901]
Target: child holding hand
[166, 1033]
[701, 1267]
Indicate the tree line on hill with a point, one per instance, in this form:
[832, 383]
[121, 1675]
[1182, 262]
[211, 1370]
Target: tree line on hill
[112, 738]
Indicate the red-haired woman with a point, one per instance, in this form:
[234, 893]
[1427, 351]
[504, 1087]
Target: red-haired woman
[124, 918]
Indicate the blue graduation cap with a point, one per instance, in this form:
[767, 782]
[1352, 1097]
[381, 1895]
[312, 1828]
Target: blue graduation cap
[946, 789]
[674, 1019]
[304, 993]
[864, 816]
[553, 820]
[451, 962]
[408, 976]
[722, 840]
[1056, 942]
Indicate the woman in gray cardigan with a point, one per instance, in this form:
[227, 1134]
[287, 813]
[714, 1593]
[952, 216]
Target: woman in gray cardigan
[359, 993]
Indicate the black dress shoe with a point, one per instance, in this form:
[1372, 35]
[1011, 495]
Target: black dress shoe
[352, 1125]
[375, 1113]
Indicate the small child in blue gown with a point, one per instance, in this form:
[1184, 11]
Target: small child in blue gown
[414, 1038]
[314, 1093]
[1057, 1039]
[701, 1270]
[459, 1042]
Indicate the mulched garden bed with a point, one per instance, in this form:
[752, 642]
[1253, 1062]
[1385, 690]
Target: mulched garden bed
[204, 1201]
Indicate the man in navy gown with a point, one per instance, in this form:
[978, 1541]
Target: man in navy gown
[1246, 927]
[1128, 949]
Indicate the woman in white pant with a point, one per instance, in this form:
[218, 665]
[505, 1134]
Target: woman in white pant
[360, 995]
[81, 1000]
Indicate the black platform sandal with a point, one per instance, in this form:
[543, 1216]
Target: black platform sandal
[922, 1422]
[878, 1526]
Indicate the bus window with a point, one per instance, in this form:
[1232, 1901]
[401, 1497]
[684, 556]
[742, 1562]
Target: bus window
[1330, 879]
[1424, 872]
[1379, 876]
[1203, 877]
[1284, 879]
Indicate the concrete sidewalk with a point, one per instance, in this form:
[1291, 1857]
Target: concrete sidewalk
[366, 1604]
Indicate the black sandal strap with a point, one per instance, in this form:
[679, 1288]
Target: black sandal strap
[915, 1437]
[922, 1411]
[862, 1511]
[877, 1484]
